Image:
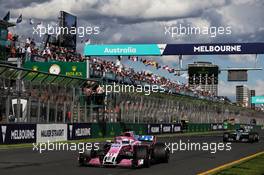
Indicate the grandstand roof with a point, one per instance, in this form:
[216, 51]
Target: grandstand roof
[38, 77]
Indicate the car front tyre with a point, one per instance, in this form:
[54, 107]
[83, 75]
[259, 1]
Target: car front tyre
[160, 153]
[141, 152]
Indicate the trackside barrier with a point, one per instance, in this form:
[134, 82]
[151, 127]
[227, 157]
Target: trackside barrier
[199, 127]
[30, 133]
[51, 132]
[154, 129]
[113, 129]
[231, 126]
[166, 128]
[97, 130]
[17, 133]
[218, 127]
[163, 128]
[77, 131]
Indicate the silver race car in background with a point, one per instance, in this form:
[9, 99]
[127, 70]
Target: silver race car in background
[241, 135]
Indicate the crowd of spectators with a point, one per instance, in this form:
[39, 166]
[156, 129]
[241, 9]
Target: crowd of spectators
[104, 66]
[55, 53]
[31, 51]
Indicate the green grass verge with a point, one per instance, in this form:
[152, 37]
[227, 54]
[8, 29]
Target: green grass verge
[29, 145]
[254, 166]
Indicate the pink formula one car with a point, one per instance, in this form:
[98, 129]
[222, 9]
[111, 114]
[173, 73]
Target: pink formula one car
[127, 150]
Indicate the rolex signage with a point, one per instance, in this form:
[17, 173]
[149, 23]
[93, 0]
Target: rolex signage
[71, 69]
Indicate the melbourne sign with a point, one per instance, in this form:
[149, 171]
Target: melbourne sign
[173, 49]
[17, 133]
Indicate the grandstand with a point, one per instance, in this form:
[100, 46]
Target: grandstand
[57, 85]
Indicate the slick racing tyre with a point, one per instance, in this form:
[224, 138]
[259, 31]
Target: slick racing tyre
[160, 153]
[256, 138]
[251, 138]
[86, 156]
[141, 152]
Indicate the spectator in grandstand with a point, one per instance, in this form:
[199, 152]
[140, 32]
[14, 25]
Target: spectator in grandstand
[46, 51]
[28, 41]
[119, 64]
[88, 91]
[99, 90]
[69, 116]
[29, 52]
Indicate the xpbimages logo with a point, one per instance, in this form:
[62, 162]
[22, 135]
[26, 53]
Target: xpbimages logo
[61, 146]
[121, 88]
[196, 146]
[179, 30]
[80, 31]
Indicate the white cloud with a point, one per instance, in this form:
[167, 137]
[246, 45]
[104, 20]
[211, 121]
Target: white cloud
[140, 9]
[116, 37]
[50, 9]
[226, 89]
[157, 9]
[243, 17]
[259, 87]
[170, 59]
[242, 58]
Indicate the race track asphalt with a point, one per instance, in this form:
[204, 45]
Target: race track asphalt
[25, 161]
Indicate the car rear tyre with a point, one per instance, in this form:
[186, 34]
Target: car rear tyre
[82, 160]
[251, 138]
[225, 137]
[256, 138]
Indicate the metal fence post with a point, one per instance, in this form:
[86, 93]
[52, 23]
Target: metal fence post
[85, 111]
[38, 113]
[56, 112]
[7, 108]
[48, 110]
[78, 112]
[64, 112]
[28, 110]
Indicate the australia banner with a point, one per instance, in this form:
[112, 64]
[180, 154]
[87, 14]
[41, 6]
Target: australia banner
[173, 49]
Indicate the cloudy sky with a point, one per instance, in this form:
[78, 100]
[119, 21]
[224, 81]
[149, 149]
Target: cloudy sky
[143, 21]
